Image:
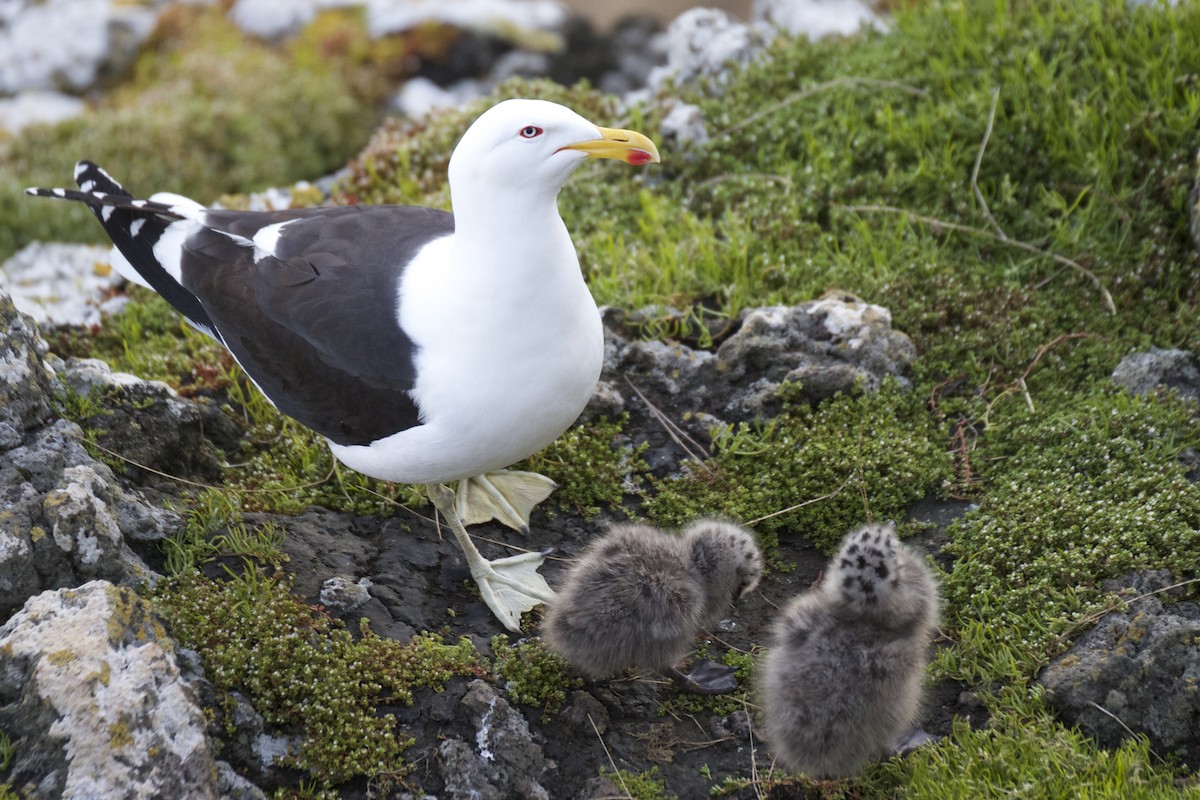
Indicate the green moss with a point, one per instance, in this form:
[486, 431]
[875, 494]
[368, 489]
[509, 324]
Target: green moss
[7, 751]
[837, 465]
[1024, 752]
[594, 466]
[286, 468]
[1090, 491]
[304, 673]
[531, 674]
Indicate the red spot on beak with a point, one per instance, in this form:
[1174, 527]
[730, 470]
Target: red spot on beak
[638, 157]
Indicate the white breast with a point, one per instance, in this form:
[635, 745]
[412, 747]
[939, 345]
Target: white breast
[509, 352]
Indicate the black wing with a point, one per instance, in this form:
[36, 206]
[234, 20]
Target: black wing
[316, 326]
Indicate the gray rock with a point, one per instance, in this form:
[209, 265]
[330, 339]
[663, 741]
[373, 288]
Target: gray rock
[827, 346]
[1135, 671]
[66, 521]
[232, 786]
[341, 594]
[586, 715]
[149, 424]
[1156, 369]
[503, 760]
[637, 48]
[25, 384]
[92, 697]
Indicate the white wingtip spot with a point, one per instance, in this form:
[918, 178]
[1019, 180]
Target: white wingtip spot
[106, 212]
[59, 192]
[183, 206]
[136, 226]
[32, 190]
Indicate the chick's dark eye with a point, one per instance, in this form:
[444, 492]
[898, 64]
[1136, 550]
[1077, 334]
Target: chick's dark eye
[530, 132]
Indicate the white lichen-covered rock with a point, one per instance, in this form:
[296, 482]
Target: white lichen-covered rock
[816, 19]
[684, 124]
[37, 107]
[835, 344]
[704, 44]
[66, 45]
[62, 284]
[419, 96]
[341, 594]
[92, 697]
[510, 19]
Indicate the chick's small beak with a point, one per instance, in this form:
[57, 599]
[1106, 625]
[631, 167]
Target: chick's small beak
[628, 146]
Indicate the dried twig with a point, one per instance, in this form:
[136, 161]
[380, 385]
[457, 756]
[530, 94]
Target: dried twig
[832, 494]
[954, 226]
[200, 485]
[677, 434]
[987, 134]
[1117, 603]
[612, 763]
[1019, 385]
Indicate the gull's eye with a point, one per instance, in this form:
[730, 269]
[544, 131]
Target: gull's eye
[530, 132]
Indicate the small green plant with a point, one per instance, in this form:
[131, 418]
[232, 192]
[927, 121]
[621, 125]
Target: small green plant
[7, 751]
[850, 459]
[639, 785]
[214, 527]
[302, 671]
[531, 674]
[1024, 751]
[593, 465]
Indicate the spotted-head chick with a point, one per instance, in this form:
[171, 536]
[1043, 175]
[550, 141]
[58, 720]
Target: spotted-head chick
[638, 596]
[844, 675]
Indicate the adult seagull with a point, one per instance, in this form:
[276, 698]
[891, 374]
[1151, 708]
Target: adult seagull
[425, 346]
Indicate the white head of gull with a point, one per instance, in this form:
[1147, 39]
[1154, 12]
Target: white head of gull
[425, 346]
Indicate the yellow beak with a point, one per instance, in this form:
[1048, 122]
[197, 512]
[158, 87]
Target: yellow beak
[628, 146]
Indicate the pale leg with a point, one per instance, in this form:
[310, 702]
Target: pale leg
[510, 586]
[505, 495]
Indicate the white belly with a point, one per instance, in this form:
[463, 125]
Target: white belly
[502, 368]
